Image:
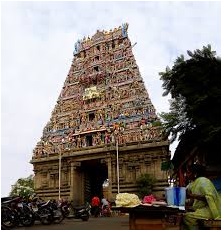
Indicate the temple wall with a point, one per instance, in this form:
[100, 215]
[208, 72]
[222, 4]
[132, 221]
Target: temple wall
[131, 165]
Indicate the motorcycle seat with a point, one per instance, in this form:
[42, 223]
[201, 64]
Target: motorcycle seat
[11, 200]
[43, 204]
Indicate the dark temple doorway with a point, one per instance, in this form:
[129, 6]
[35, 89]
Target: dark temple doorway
[95, 174]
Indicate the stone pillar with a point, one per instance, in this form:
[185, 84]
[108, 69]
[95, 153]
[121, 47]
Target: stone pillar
[76, 188]
[107, 192]
[72, 182]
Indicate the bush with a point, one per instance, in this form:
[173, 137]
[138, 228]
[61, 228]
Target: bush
[145, 183]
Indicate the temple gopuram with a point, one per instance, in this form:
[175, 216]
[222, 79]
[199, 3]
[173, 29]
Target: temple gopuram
[103, 126]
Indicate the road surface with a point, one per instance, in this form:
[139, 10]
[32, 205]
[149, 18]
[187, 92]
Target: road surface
[101, 223]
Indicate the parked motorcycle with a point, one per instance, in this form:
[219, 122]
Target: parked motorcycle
[58, 216]
[42, 211]
[15, 212]
[7, 218]
[76, 212]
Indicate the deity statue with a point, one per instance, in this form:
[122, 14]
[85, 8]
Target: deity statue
[77, 47]
[124, 30]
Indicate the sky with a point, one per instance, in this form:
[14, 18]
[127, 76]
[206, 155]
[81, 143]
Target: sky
[37, 43]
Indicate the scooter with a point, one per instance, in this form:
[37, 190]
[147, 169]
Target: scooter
[105, 211]
[76, 212]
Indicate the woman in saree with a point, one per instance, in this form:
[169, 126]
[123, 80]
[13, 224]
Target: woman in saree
[206, 200]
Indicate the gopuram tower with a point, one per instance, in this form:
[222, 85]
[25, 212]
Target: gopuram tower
[103, 126]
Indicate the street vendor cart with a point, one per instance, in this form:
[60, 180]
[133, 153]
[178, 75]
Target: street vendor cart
[153, 217]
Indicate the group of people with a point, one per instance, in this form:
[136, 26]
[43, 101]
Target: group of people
[203, 199]
[99, 207]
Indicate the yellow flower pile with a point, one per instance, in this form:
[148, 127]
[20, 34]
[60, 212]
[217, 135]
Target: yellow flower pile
[127, 200]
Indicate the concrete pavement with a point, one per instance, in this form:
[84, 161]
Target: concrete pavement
[101, 223]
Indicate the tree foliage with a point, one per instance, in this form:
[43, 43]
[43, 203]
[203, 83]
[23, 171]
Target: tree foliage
[23, 187]
[195, 106]
[145, 183]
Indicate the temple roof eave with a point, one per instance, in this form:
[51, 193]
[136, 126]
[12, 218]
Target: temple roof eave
[102, 149]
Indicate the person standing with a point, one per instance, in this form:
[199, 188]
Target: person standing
[95, 206]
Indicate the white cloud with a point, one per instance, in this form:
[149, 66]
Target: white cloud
[37, 40]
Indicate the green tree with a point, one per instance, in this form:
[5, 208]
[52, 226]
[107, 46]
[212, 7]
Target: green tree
[23, 187]
[195, 106]
[145, 183]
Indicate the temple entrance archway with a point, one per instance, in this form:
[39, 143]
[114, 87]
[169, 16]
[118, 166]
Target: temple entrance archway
[95, 173]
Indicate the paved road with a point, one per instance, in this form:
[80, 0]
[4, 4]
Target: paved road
[101, 223]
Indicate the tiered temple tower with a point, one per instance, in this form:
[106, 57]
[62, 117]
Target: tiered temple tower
[103, 125]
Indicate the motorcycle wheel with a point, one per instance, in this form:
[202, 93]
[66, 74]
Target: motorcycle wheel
[85, 217]
[108, 214]
[58, 216]
[7, 218]
[26, 217]
[65, 212]
[46, 217]
[70, 212]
